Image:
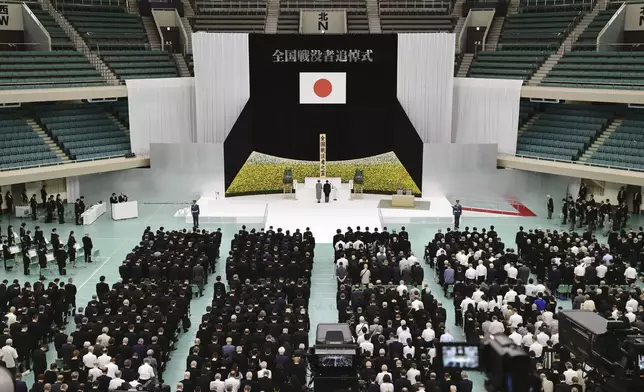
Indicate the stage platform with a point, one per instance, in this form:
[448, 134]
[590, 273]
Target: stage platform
[323, 218]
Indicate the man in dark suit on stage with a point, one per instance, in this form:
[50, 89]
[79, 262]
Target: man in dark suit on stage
[327, 191]
[194, 210]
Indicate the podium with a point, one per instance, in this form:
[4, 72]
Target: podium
[126, 210]
[91, 214]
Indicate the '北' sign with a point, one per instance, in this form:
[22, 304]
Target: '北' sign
[323, 22]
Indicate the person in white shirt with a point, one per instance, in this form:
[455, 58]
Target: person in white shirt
[466, 303]
[386, 385]
[482, 306]
[470, 274]
[496, 326]
[218, 386]
[11, 316]
[146, 372]
[536, 348]
[630, 274]
[601, 271]
[481, 272]
[412, 258]
[94, 373]
[231, 380]
[366, 347]
[542, 338]
[360, 328]
[404, 264]
[116, 381]
[89, 359]
[540, 288]
[412, 373]
[380, 376]
[462, 258]
[546, 385]
[510, 296]
[402, 288]
[515, 337]
[112, 368]
[340, 245]
[569, 373]
[358, 244]
[512, 273]
[477, 295]
[547, 317]
[554, 338]
[428, 334]
[527, 340]
[515, 319]
[446, 337]
[580, 270]
[632, 303]
[103, 360]
[403, 333]
[630, 315]
[103, 339]
[607, 258]
[588, 304]
[409, 349]
[9, 355]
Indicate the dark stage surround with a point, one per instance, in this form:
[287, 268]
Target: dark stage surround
[371, 122]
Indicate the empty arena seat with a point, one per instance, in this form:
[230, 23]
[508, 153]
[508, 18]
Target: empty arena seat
[556, 6]
[45, 69]
[619, 70]
[625, 146]
[507, 64]
[59, 39]
[140, 64]
[229, 16]
[563, 132]
[537, 31]
[20, 145]
[106, 27]
[356, 14]
[426, 16]
[588, 39]
[85, 131]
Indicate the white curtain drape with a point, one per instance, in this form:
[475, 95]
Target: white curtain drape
[425, 77]
[161, 111]
[73, 188]
[222, 82]
[486, 111]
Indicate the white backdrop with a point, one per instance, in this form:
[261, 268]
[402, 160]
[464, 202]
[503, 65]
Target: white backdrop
[73, 188]
[161, 111]
[222, 79]
[425, 83]
[486, 111]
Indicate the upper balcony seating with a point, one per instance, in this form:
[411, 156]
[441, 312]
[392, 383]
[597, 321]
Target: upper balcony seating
[527, 109]
[563, 132]
[229, 16]
[107, 27]
[612, 70]
[140, 64]
[59, 39]
[625, 146]
[20, 145]
[44, 69]
[416, 16]
[543, 31]
[555, 5]
[507, 64]
[83, 131]
[588, 39]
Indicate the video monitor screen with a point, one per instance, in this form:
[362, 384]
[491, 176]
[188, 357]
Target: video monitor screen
[335, 361]
[640, 360]
[460, 357]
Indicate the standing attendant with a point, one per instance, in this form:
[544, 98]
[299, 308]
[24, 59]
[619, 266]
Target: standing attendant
[77, 211]
[33, 203]
[43, 196]
[637, 202]
[8, 200]
[60, 208]
[621, 196]
[327, 191]
[551, 207]
[71, 243]
[87, 248]
[457, 211]
[61, 257]
[24, 198]
[194, 210]
[318, 191]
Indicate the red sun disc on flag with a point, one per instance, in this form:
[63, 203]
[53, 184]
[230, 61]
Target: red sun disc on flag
[322, 88]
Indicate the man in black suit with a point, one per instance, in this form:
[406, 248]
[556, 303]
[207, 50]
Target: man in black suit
[194, 210]
[637, 201]
[43, 196]
[114, 199]
[621, 196]
[122, 198]
[87, 248]
[60, 208]
[61, 258]
[465, 385]
[33, 203]
[327, 191]
[39, 358]
[102, 288]
[551, 207]
[77, 211]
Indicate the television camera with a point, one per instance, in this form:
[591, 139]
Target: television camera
[612, 352]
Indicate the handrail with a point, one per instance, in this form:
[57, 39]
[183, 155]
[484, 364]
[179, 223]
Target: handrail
[61, 163]
[579, 163]
[461, 43]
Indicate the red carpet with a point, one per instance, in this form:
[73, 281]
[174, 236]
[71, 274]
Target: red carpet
[520, 209]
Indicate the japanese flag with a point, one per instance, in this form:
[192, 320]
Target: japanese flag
[323, 87]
